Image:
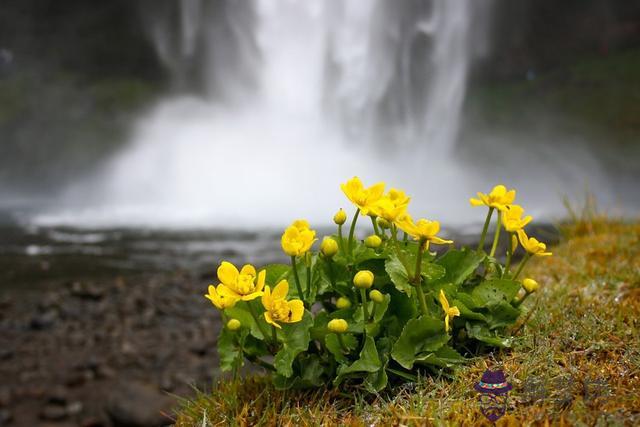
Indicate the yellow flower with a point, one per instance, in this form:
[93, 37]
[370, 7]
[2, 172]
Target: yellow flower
[376, 296]
[278, 308]
[373, 241]
[392, 205]
[532, 245]
[339, 326]
[449, 312]
[343, 303]
[364, 198]
[498, 198]
[298, 238]
[340, 217]
[243, 284]
[512, 218]
[530, 285]
[234, 324]
[222, 297]
[329, 247]
[363, 279]
[421, 230]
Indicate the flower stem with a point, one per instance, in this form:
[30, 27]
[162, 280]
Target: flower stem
[274, 334]
[352, 230]
[496, 236]
[340, 243]
[509, 255]
[401, 257]
[255, 317]
[484, 229]
[342, 345]
[375, 226]
[308, 280]
[296, 277]
[417, 278]
[521, 266]
[365, 311]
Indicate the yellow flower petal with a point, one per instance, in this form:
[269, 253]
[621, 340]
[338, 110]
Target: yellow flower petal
[267, 300]
[269, 320]
[281, 290]
[262, 275]
[443, 301]
[297, 310]
[248, 269]
[228, 273]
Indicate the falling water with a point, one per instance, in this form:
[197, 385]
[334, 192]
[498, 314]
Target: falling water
[294, 97]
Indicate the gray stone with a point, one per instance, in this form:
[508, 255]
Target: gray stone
[137, 404]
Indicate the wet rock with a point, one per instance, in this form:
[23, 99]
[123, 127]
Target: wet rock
[138, 404]
[5, 417]
[86, 291]
[57, 395]
[43, 320]
[53, 412]
[74, 408]
[5, 397]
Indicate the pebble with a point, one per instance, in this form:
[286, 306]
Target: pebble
[53, 412]
[138, 404]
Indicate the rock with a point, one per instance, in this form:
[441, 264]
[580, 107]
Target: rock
[74, 408]
[53, 412]
[6, 354]
[5, 417]
[138, 404]
[43, 321]
[86, 291]
[57, 395]
[5, 397]
[91, 422]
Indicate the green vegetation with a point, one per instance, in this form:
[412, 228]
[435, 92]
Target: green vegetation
[597, 94]
[575, 359]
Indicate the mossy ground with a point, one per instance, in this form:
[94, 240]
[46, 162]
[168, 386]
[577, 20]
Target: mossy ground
[575, 361]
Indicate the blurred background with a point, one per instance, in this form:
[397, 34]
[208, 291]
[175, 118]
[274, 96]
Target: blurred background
[161, 136]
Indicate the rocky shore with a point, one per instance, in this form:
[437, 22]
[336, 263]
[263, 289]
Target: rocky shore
[103, 353]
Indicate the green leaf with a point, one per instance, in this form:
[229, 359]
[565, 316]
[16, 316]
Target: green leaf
[276, 273]
[379, 309]
[465, 312]
[492, 292]
[333, 345]
[368, 362]
[376, 381]
[444, 357]
[460, 264]
[228, 349]
[424, 334]
[295, 340]
[398, 274]
[431, 271]
[481, 332]
[309, 373]
[502, 314]
[241, 312]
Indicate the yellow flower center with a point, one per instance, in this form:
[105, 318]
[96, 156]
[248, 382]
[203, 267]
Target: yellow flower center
[244, 284]
[280, 311]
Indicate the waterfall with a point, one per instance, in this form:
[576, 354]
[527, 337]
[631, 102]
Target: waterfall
[278, 101]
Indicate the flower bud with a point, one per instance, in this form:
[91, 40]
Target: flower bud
[343, 303]
[329, 247]
[376, 296]
[373, 241]
[233, 324]
[363, 279]
[383, 223]
[340, 217]
[339, 326]
[530, 285]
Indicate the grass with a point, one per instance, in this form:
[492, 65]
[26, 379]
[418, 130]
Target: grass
[575, 361]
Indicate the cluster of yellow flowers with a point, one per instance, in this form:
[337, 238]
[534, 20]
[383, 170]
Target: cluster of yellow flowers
[245, 285]
[387, 212]
[510, 215]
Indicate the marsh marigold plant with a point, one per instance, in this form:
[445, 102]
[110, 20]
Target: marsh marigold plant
[378, 310]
